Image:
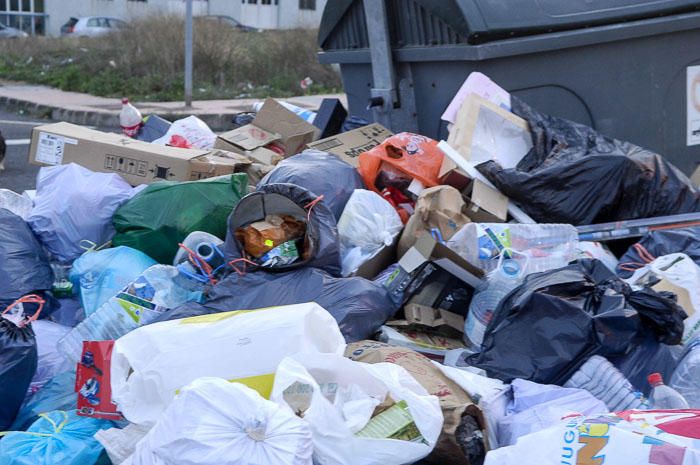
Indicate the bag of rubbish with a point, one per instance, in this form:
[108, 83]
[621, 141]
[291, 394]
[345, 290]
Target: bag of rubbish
[24, 266]
[102, 274]
[214, 422]
[321, 173]
[575, 175]
[400, 167]
[188, 133]
[368, 224]
[50, 362]
[74, 204]
[675, 273]
[686, 377]
[359, 413]
[158, 290]
[57, 394]
[278, 215]
[120, 444]
[657, 244]
[438, 212]
[161, 216]
[562, 317]
[17, 204]
[633, 437]
[359, 306]
[57, 437]
[152, 362]
[18, 355]
[461, 441]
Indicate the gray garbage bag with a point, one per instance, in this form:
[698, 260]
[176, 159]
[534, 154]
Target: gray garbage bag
[321, 243]
[321, 173]
[359, 306]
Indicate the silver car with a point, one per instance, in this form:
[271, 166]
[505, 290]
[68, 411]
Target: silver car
[7, 32]
[92, 26]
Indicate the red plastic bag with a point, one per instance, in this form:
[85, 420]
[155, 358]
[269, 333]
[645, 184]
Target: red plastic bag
[92, 381]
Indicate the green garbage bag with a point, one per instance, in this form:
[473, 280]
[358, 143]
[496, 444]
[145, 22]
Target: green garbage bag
[159, 217]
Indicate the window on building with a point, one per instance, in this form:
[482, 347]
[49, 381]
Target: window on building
[307, 4]
[252, 2]
[266, 2]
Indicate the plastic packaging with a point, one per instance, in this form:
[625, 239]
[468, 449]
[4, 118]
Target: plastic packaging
[100, 275]
[158, 289]
[241, 428]
[50, 362]
[368, 224]
[151, 363]
[130, 119]
[161, 216]
[548, 246]
[17, 204]
[664, 397]
[201, 243]
[686, 377]
[190, 132]
[506, 277]
[74, 204]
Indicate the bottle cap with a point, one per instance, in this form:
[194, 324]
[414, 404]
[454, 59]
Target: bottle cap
[655, 378]
[125, 101]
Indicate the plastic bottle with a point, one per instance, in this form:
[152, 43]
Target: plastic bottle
[548, 246]
[664, 397]
[512, 268]
[159, 289]
[303, 113]
[130, 119]
[686, 376]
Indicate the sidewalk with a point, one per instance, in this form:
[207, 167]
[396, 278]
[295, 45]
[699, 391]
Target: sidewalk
[90, 110]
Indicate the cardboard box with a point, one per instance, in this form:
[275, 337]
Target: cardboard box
[273, 123]
[136, 161]
[485, 204]
[349, 145]
[379, 262]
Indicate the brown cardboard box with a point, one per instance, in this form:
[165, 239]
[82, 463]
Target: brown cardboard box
[695, 177]
[136, 161]
[273, 123]
[381, 261]
[349, 145]
[485, 204]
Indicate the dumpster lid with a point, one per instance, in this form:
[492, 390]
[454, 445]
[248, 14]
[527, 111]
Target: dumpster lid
[487, 20]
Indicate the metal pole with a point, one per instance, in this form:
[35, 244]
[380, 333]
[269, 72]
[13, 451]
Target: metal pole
[188, 54]
[383, 93]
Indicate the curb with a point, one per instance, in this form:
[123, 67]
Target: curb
[217, 122]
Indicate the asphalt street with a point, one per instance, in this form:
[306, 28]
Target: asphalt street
[19, 175]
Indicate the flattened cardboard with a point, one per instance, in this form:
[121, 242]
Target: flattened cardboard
[294, 131]
[349, 145]
[487, 205]
[245, 138]
[136, 161]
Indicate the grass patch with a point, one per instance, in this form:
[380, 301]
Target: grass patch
[146, 60]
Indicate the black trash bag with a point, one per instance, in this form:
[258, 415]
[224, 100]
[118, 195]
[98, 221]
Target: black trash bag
[321, 243]
[18, 363]
[656, 244]
[575, 175]
[359, 306]
[321, 173]
[24, 266]
[546, 328]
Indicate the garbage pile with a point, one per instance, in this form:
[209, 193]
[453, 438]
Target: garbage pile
[527, 291]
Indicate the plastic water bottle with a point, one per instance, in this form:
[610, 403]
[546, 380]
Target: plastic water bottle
[303, 113]
[664, 397]
[159, 289]
[130, 119]
[512, 268]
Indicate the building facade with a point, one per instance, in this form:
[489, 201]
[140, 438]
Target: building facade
[47, 16]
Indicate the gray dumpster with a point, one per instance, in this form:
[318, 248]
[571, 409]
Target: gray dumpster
[624, 67]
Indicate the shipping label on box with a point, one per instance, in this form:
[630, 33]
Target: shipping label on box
[349, 145]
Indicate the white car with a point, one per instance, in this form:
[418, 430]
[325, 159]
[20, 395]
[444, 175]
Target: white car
[92, 26]
[11, 32]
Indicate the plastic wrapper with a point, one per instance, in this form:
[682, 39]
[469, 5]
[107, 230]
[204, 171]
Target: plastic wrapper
[74, 204]
[50, 362]
[659, 243]
[162, 215]
[561, 317]
[320, 173]
[17, 204]
[186, 133]
[686, 378]
[577, 176]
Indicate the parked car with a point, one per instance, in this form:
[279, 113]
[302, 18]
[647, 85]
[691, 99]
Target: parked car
[91, 26]
[228, 21]
[7, 32]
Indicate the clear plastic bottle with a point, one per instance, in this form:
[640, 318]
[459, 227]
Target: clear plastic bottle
[159, 289]
[130, 119]
[664, 397]
[686, 376]
[512, 269]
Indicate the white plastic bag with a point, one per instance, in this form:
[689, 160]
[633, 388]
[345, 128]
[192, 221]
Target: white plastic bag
[193, 130]
[152, 362]
[679, 271]
[368, 224]
[214, 422]
[121, 443]
[50, 361]
[17, 204]
[314, 384]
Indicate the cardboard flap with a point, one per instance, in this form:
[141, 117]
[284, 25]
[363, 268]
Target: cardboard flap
[489, 199]
[349, 145]
[295, 132]
[249, 137]
[427, 248]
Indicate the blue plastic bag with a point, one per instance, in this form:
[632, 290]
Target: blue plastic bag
[100, 275]
[56, 438]
[57, 394]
